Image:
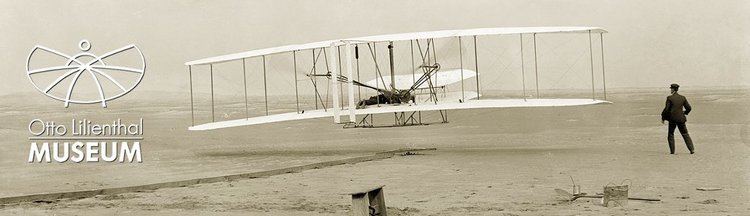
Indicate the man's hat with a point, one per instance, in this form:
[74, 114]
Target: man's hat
[674, 86]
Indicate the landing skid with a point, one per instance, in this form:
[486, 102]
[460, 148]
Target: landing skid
[400, 119]
[364, 123]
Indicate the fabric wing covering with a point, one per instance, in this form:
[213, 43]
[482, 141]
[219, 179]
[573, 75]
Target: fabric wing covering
[396, 37]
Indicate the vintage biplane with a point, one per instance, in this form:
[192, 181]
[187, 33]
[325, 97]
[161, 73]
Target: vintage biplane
[404, 95]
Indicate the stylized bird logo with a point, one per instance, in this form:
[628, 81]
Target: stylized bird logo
[86, 63]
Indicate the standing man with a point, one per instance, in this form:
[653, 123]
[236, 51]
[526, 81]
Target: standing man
[676, 116]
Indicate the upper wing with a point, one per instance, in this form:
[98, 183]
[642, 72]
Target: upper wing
[397, 37]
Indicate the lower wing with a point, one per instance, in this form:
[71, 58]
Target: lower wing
[392, 108]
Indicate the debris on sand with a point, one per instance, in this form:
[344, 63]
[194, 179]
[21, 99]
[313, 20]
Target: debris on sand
[708, 189]
[709, 201]
[44, 201]
[407, 153]
[683, 197]
[563, 195]
[615, 194]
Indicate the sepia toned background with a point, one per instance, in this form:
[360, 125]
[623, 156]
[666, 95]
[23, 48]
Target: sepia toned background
[650, 44]
[488, 161]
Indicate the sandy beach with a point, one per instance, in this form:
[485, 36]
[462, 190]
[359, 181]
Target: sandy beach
[487, 162]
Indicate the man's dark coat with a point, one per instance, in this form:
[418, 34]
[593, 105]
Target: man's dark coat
[673, 109]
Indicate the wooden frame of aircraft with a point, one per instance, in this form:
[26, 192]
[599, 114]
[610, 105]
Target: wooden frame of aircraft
[405, 96]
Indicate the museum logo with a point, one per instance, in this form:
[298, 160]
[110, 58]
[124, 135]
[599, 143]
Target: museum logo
[101, 72]
[85, 78]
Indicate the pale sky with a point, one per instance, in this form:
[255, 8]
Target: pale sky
[650, 44]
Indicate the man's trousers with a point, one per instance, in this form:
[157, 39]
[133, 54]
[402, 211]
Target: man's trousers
[685, 136]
